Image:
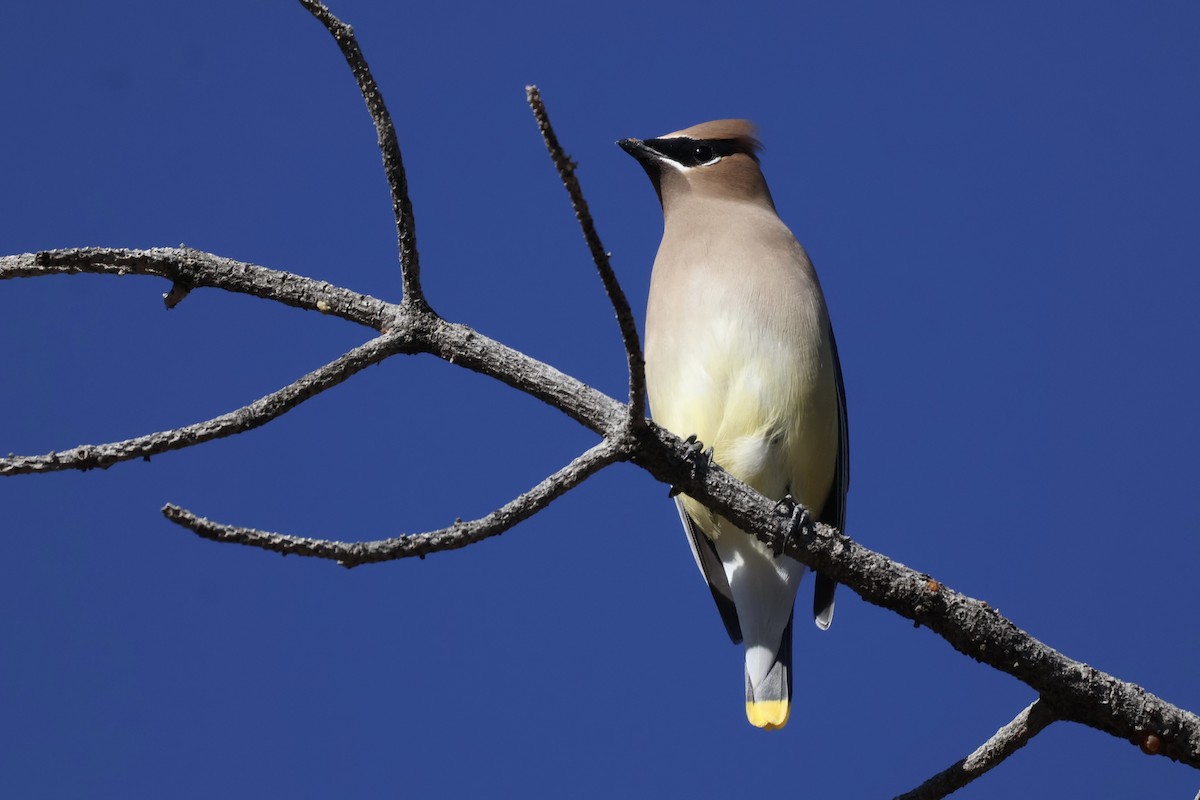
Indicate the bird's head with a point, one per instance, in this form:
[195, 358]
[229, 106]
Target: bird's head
[712, 160]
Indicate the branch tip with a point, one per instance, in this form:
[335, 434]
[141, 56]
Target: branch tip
[612, 287]
[177, 294]
[389, 149]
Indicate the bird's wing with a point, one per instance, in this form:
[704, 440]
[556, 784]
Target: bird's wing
[834, 512]
[705, 553]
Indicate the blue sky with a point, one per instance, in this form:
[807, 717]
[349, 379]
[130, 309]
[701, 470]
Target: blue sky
[1001, 201]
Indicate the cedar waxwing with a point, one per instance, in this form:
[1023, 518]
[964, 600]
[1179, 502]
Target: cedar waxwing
[740, 354]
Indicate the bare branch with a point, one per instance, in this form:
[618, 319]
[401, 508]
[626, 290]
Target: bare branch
[248, 417]
[460, 534]
[1077, 691]
[465, 347]
[616, 295]
[187, 268]
[389, 147]
[1006, 741]
[452, 342]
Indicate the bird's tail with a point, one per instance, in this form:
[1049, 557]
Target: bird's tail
[768, 703]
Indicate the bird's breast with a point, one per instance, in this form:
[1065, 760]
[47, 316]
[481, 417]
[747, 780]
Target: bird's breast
[740, 358]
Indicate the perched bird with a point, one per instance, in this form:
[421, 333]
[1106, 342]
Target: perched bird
[740, 354]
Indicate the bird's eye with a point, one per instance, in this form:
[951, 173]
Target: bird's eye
[703, 154]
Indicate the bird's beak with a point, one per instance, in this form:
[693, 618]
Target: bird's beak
[649, 158]
[638, 149]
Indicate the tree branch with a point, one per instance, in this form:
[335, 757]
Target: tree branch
[189, 268]
[460, 534]
[425, 332]
[616, 295]
[254, 415]
[1006, 741]
[389, 147]
[1076, 691]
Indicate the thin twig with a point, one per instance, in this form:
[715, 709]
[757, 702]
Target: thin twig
[254, 415]
[389, 148]
[460, 534]
[188, 268]
[1006, 741]
[616, 295]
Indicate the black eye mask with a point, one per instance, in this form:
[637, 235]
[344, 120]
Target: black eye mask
[694, 152]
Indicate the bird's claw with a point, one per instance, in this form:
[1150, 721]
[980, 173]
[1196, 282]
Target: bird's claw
[785, 505]
[788, 506]
[701, 459]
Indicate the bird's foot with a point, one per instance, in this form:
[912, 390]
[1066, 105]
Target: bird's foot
[785, 505]
[800, 520]
[696, 453]
[694, 450]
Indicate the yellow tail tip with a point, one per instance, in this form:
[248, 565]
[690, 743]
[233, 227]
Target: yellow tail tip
[770, 715]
